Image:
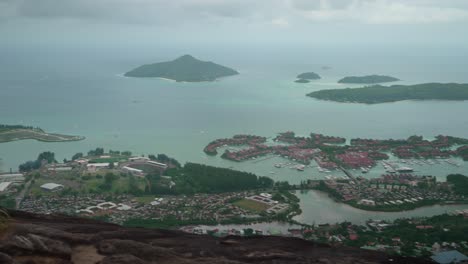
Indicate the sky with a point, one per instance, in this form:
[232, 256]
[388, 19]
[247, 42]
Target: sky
[234, 22]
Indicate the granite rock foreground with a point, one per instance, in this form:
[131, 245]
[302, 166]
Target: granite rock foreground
[50, 239]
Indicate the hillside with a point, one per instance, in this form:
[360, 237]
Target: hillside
[183, 69]
[308, 76]
[368, 79]
[383, 94]
[59, 239]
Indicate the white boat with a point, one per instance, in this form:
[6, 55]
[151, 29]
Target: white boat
[300, 167]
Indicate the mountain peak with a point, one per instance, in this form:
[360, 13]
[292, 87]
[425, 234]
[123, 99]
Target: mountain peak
[186, 57]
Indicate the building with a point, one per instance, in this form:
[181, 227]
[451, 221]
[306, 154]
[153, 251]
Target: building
[157, 164]
[133, 171]
[93, 167]
[4, 186]
[13, 177]
[449, 257]
[138, 159]
[367, 202]
[51, 187]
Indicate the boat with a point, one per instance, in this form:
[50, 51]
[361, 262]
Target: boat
[300, 167]
[277, 165]
[404, 169]
[364, 170]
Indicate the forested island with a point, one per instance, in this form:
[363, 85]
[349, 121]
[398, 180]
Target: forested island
[19, 132]
[183, 69]
[382, 94]
[305, 77]
[368, 79]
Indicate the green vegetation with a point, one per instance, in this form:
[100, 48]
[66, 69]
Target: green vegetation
[382, 94]
[460, 183]
[440, 228]
[251, 205]
[4, 128]
[4, 219]
[7, 202]
[47, 156]
[368, 79]
[183, 69]
[195, 178]
[308, 76]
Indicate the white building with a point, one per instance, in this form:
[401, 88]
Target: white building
[140, 159]
[14, 177]
[367, 202]
[93, 167]
[132, 171]
[157, 164]
[4, 186]
[52, 187]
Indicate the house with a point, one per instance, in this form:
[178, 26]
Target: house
[132, 171]
[138, 159]
[367, 202]
[12, 177]
[51, 187]
[449, 257]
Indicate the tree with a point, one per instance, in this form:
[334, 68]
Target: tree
[47, 156]
[126, 153]
[96, 152]
[78, 155]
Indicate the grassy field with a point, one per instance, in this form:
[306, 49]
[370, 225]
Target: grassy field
[145, 199]
[251, 205]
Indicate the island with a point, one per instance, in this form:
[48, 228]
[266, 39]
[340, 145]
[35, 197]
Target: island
[305, 77]
[368, 79]
[383, 94]
[19, 132]
[309, 76]
[183, 69]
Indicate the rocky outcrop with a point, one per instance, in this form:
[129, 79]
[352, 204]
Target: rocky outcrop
[57, 239]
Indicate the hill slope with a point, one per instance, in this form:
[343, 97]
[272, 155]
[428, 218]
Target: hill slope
[368, 79]
[183, 69]
[383, 94]
[60, 239]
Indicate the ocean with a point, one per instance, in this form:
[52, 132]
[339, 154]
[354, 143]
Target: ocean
[82, 91]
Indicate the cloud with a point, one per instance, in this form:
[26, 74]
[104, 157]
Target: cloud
[280, 22]
[383, 11]
[273, 12]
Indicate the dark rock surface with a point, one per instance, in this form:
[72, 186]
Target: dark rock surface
[52, 239]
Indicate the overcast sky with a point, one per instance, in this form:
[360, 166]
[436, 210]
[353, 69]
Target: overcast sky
[235, 21]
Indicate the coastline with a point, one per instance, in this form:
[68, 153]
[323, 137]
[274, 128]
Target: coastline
[24, 134]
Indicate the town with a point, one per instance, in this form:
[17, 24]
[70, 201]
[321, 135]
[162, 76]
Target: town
[391, 192]
[122, 188]
[156, 191]
[331, 153]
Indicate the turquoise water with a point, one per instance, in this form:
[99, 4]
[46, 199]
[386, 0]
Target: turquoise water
[81, 91]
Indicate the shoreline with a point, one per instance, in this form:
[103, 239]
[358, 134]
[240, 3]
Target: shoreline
[25, 134]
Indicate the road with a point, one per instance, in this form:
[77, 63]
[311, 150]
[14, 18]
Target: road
[20, 196]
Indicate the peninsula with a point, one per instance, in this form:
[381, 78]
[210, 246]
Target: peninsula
[183, 69]
[18, 132]
[368, 79]
[383, 94]
[305, 77]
